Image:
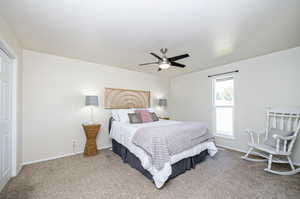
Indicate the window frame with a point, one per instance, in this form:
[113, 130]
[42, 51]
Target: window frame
[214, 107]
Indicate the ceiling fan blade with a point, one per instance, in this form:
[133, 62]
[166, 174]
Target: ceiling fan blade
[148, 63]
[178, 57]
[155, 55]
[159, 69]
[177, 64]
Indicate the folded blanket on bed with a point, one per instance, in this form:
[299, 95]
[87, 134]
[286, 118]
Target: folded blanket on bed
[161, 142]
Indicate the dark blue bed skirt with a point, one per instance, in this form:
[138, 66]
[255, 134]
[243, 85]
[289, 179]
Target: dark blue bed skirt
[177, 168]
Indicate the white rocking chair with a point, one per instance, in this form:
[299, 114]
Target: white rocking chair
[286, 121]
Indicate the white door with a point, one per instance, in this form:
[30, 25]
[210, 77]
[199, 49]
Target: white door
[5, 118]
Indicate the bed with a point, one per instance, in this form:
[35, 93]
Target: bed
[159, 149]
[122, 134]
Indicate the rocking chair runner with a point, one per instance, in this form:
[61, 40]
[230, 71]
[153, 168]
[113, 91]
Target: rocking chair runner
[283, 126]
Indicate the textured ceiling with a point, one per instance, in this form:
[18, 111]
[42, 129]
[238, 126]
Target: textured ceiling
[122, 33]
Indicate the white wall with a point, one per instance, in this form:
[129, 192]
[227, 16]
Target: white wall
[266, 81]
[9, 40]
[54, 89]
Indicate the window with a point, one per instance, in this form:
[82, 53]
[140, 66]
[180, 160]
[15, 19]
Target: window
[223, 102]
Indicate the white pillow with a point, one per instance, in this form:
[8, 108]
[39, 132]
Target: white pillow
[123, 114]
[115, 115]
[151, 110]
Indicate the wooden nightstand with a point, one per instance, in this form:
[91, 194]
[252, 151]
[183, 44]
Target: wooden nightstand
[164, 118]
[91, 132]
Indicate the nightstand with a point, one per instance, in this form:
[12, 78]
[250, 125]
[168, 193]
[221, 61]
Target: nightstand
[91, 132]
[164, 118]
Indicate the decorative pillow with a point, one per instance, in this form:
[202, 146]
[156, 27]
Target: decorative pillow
[123, 114]
[135, 118]
[154, 117]
[272, 141]
[145, 115]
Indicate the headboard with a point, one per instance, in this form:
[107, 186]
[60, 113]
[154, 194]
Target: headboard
[116, 98]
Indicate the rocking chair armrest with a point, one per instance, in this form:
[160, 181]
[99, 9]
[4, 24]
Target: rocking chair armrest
[275, 136]
[251, 132]
[285, 140]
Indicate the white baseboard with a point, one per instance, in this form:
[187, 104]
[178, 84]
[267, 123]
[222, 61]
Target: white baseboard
[19, 168]
[243, 151]
[231, 148]
[60, 156]
[51, 158]
[106, 147]
[2, 185]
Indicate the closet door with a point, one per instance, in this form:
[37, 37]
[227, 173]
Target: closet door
[5, 118]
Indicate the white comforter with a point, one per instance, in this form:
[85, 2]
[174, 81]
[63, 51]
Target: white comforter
[123, 133]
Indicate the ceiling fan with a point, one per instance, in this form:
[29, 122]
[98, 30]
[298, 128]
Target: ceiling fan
[164, 62]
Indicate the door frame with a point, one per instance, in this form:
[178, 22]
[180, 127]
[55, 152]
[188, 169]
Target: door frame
[15, 168]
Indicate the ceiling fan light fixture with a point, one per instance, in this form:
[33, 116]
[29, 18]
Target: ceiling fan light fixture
[164, 65]
[165, 62]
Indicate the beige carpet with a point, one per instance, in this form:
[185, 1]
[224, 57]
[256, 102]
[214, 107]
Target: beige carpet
[106, 176]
